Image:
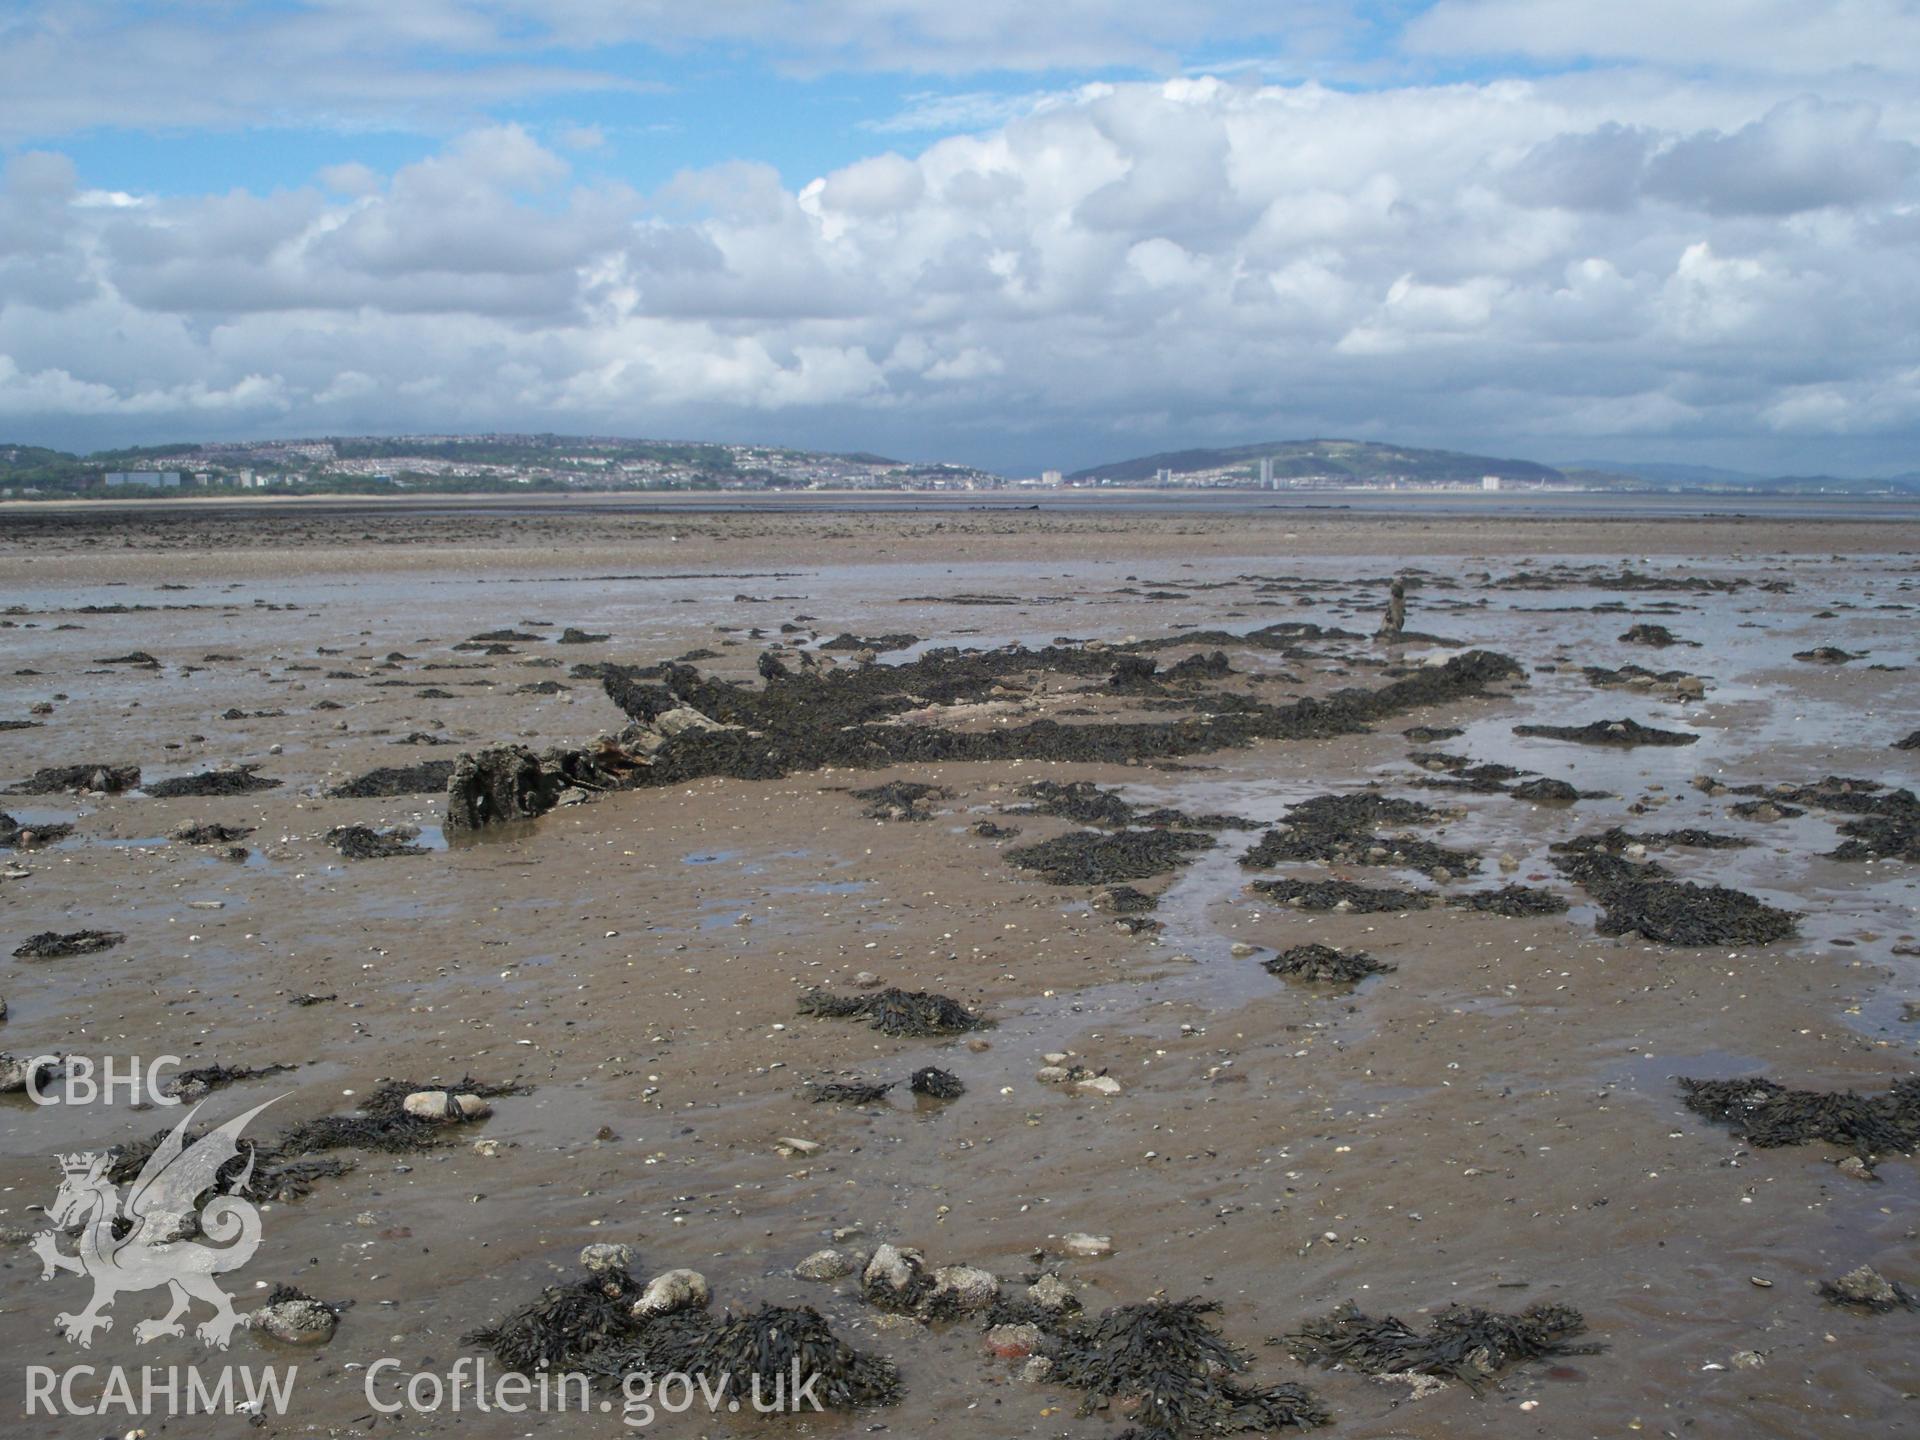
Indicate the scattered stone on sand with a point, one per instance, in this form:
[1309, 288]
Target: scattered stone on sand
[894, 1011]
[362, 842]
[901, 800]
[1086, 1247]
[1623, 733]
[60, 945]
[211, 833]
[1325, 963]
[15, 1071]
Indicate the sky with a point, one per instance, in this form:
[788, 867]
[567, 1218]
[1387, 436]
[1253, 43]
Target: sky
[1013, 235]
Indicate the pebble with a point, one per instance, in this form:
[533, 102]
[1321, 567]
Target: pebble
[827, 1265]
[673, 1290]
[1087, 1247]
[607, 1255]
[1014, 1342]
[1050, 1292]
[296, 1322]
[1101, 1085]
[791, 1146]
[972, 1287]
[445, 1105]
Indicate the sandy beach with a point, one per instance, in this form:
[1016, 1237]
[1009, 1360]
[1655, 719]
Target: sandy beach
[1495, 1119]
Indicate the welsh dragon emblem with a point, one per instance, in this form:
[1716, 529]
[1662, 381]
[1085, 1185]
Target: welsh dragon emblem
[139, 1241]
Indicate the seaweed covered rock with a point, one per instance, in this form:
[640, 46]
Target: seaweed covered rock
[63, 779]
[14, 835]
[1325, 963]
[390, 781]
[1658, 636]
[211, 833]
[1828, 655]
[901, 800]
[1767, 1114]
[1461, 1342]
[1345, 895]
[61, 945]
[1094, 857]
[1545, 791]
[1125, 900]
[1912, 742]
[895, 1012]
[1086, 803]
[1166, 1365]
[362, 842]
[1866, 1289]
[1623, 733]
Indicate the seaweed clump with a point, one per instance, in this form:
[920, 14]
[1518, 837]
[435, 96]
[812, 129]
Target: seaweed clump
[1325, 963]
[566, 1326]
[1342, 895]
[1086, 803]
[1338, 829]
[55, 945]
[1515, 902]
[1624, 733]
[1643, 899]
[759, 1353]
[232, 780]
[896, 1012]
[1165, 1364]
[1767, 1114]
[847, 1092]
[937, 1084]
[1094, 857]
[1462, 1342]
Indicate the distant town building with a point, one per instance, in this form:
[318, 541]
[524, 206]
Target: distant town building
[1163, 476]
[1050, 477]
[1489, 482]
[149, 479]
[1266, 472]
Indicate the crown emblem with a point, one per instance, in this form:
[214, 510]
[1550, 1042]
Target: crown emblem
[78, 1163]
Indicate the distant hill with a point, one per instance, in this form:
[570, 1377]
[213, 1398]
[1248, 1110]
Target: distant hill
[1666, 475]
[1358, 461]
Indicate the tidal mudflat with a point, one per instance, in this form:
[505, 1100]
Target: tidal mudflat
[1057, 973]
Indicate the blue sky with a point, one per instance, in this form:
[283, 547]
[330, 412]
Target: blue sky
[1002, 234]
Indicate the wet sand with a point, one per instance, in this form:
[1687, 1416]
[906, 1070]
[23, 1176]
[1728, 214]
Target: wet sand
[1495, 1122]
